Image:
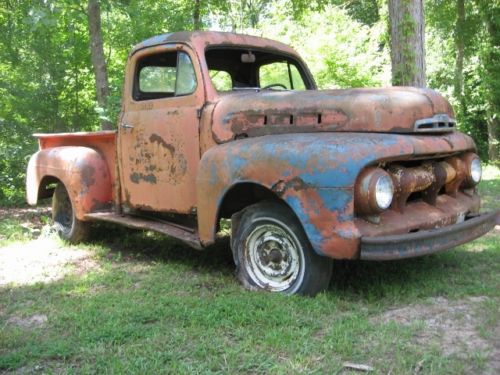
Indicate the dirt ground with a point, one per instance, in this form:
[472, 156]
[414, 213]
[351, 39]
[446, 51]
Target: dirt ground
[452, 326]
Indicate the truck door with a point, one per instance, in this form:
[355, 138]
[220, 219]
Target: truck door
[158, 130]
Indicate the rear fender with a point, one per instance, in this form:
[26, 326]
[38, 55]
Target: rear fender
[82, 170]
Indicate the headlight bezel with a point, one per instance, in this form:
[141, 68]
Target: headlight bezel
[367, 191]
[476, 164]
[472, 161]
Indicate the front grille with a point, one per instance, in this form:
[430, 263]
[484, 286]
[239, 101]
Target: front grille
[425, 180]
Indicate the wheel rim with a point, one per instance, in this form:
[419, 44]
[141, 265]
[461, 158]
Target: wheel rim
[274, 258]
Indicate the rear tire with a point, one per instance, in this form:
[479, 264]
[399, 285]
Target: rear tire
[66, 224]
[273, 253]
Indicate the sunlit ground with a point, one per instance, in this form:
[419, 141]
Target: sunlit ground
[41, 260]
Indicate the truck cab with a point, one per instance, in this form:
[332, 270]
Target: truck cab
[225, 126]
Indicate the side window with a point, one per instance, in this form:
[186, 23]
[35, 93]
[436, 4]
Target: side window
[297, 81]
[281, 75]
[159, 79]
[221, 80]
[164, 75]
[186, 78]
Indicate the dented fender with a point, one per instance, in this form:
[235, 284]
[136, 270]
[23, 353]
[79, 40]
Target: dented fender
[82, 170]
[313, 174]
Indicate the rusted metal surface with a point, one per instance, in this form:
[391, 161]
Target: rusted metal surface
[426, 242]
[393, 109]
[420, 215]
[410, 180]
[314, 175]
[184, 234]
[83, 171]
[202, 39]
[103, 142]
[160, 150]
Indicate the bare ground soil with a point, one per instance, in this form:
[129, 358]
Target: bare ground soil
[453, 326]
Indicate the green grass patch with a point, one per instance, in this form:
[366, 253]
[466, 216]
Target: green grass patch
[153, 305]
[489, 188]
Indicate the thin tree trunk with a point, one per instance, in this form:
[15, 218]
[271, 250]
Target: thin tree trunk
[97, 56]
[493, 77]
[406, 20]
[459, 61]
[196, 15]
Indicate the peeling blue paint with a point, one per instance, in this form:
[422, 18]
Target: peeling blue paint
[336, 200]
[315, 237]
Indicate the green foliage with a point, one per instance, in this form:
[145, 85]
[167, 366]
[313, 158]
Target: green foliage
[337, 56]
[481, 68]
[46, 78]
[47, 81]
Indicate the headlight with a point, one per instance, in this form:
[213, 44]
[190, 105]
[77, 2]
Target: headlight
[473, 169]
[384, 191]
[374, 191]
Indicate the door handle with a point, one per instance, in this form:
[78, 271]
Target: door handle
[127, 126]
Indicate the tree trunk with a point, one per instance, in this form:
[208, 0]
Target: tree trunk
[493, 78]
[98, 61]
[459, 61]
[196, 15]
[406, 21]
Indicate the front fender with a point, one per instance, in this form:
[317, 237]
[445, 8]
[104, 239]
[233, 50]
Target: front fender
[82, 170]
[313, 173]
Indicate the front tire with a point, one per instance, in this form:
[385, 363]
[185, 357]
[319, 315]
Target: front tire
[272, 252]
[66, 224]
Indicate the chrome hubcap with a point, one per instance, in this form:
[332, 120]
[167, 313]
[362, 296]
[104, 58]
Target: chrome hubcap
[273, 257]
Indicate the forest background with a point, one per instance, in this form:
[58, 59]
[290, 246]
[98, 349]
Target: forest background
[48, 72]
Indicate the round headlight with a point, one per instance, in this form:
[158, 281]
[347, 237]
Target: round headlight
[384, 191]
[475, 170]
[373, 191]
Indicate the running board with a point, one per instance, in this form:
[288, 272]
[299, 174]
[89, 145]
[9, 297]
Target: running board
[184, 234]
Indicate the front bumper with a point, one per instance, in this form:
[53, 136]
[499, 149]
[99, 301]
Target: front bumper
[429, 241]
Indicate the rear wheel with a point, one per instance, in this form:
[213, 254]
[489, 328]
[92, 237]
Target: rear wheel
[67, 226]
[272, 252]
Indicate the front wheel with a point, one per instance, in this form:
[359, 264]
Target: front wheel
[66, 224]
[272, 252]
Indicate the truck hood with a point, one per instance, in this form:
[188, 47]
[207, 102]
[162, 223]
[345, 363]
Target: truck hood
[384, 110]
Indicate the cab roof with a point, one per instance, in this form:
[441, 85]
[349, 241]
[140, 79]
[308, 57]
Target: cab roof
[199, 40]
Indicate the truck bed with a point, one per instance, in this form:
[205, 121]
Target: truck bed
[102, 141]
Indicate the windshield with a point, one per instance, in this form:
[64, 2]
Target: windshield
[243, 68]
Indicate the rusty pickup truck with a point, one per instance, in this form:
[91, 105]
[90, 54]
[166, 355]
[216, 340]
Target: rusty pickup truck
[224, 126]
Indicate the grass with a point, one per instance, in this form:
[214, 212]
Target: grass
[151, 305]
